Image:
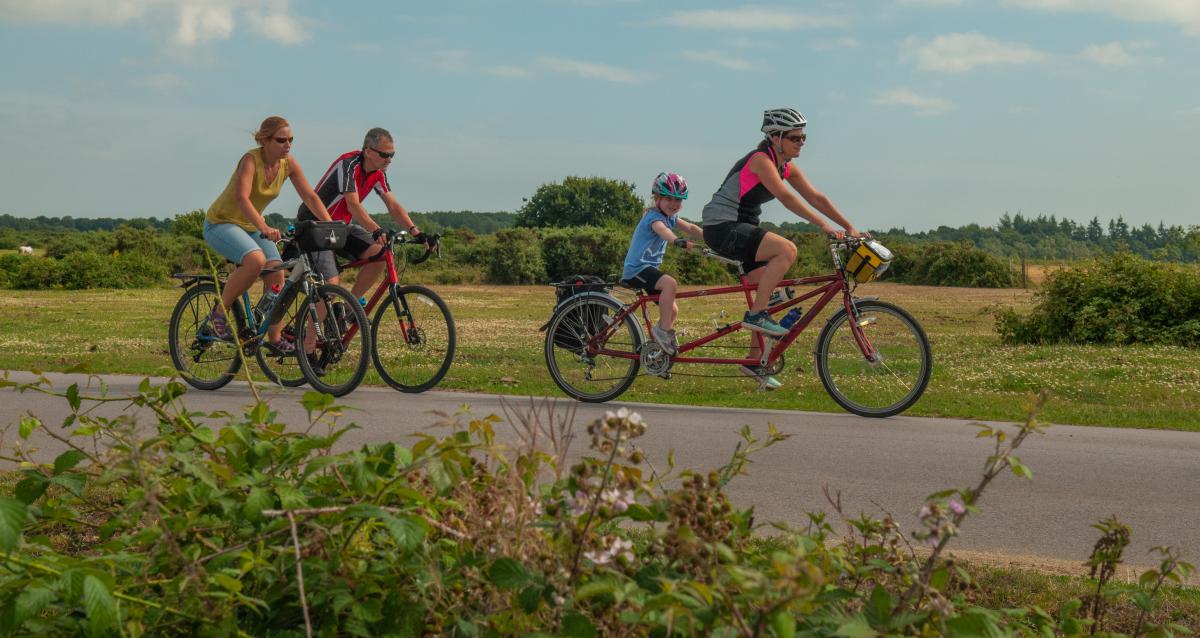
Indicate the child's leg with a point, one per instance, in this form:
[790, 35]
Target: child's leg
[667, 310]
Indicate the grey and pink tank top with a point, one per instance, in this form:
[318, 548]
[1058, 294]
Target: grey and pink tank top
[742, 194]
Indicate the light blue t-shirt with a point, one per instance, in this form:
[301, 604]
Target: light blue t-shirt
[647, 249]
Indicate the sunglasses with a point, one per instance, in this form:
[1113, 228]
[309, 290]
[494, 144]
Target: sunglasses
[384, 155]
[283, 140]
[796, 139]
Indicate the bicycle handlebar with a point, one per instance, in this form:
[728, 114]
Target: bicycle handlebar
[431, 241]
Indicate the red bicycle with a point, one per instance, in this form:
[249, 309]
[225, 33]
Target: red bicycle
[872, 356]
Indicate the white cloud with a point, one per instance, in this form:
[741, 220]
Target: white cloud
[920, 104]
[720, 59]
[195, 22]
[961, 52]
[1117, 54]
[752, 18]
[1185, 13]
[593, 70]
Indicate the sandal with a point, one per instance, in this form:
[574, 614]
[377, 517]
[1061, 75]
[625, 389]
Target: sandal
[284, 347]
[218, 327]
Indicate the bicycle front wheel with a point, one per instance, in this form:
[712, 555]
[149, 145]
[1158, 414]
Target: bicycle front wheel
[329, 331]
[886, 383]
[204, 361]
[588, 321]
[413, 339]
[284, 369]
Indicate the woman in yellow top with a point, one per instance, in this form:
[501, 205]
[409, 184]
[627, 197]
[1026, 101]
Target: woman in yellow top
[234, 225]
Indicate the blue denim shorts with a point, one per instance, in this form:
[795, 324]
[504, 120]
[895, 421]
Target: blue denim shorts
[235, 242]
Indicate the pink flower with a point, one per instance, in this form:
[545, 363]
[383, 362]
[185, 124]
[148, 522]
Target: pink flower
[956, 507]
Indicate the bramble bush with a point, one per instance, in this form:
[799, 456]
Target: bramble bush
[246, 528]
[1116, 299]
[949, 264]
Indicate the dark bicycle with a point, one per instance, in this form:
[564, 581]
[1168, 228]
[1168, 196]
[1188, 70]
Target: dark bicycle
[330, 352]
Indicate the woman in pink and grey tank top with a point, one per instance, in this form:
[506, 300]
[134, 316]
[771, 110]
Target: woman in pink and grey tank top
[731, 218]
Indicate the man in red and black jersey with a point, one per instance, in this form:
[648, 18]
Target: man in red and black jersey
[341, 189]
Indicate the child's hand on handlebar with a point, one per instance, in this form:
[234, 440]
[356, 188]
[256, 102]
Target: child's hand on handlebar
[684, 243]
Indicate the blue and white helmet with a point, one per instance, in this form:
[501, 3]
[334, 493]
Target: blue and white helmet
[781, 120]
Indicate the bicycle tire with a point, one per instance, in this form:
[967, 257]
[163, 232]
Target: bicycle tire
[283, 369]
[205, 363]
[413, 339]
[336, 366]
[571, 327]
[881, 388]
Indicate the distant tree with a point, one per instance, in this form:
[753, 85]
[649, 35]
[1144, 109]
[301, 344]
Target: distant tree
[189, 224]
[582, 201]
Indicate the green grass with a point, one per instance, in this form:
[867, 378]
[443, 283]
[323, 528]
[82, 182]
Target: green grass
[500, 351]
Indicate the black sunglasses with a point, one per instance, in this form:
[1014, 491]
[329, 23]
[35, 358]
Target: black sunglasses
[384, 155]
[796, 139]
[284, 140]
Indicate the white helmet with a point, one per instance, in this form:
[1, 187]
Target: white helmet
[780, 120]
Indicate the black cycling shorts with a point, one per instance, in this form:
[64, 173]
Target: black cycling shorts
[645, 280]
[736, 240]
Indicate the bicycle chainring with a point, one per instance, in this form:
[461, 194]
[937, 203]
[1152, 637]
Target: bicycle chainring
[655, 360]
[777, 366]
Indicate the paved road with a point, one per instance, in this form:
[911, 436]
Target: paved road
[1149, 478]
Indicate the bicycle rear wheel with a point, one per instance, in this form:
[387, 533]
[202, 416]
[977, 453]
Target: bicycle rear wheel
[284, 369]
[413, 339]
[891, 381]
[599, 377]
[204, 362]
[340, 349]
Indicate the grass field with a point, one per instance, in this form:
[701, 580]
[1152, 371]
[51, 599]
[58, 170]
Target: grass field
[500, 351]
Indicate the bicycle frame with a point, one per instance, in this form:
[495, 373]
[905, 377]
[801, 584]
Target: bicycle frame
[387, 287]
[829, 287]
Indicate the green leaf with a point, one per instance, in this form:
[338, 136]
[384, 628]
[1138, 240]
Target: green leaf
[73, 397]
[30, 603]
[70, 481]
[1143, 601]
[316, 401]
[227, 582]
[99, 604]
[598, 587]
[856, 628]
[28, 425]
[204, 435]
[784, 624]
[576, 625]
[290, 497]
[68, 460]
[508, 573]
[12, 520]
[879, 609]
[258, 500]
[407, 530]
[939, 579]
[31, 488]
[530, 598]
[640, 513]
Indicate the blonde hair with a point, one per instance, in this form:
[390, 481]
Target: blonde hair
[268, 128]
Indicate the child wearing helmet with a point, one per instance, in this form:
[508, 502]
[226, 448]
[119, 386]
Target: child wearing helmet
[649, 245]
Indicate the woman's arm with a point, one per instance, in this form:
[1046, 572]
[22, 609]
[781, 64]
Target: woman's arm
[818, 200]
[765, 169]
[306, 193]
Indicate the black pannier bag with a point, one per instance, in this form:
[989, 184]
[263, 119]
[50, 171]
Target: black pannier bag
[583, 322]
[313, 235]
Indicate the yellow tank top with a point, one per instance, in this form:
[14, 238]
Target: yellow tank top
[225, 209]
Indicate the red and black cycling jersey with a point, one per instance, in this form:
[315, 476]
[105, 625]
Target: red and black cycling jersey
[345, 175]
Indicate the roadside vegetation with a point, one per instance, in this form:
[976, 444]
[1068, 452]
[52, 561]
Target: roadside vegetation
[193, 524]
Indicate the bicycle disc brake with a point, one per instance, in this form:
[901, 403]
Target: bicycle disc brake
[655, 360]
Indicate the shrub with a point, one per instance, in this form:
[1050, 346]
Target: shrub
[516, 258]
[177, 527]
[949, 264]
[38, 273]
[584, 250]
[1117, 299]
[10, 265]
[189, 224]
[582, 201]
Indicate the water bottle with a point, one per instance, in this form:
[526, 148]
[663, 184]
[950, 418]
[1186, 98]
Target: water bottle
[267, 303]
[790, 318]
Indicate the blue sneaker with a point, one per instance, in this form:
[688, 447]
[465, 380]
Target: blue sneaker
[761, 322]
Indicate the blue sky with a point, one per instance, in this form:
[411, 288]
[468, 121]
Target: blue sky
[922, 112]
